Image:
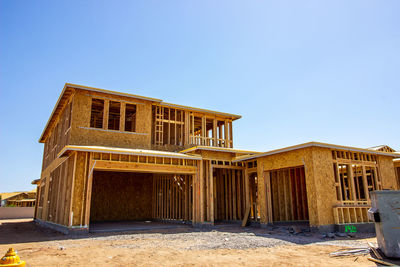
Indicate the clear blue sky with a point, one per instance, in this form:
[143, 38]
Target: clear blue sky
[296, 71]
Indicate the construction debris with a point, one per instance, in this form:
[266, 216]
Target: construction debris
[381, 262]
[352, 252]
[375, 251]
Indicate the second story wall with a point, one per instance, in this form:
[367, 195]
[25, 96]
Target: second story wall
[108, 120]
[59, 135]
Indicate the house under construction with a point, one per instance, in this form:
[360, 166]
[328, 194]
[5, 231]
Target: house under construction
[111, 156]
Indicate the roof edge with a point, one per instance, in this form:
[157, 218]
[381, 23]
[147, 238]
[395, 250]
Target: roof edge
[100, 90]
[116, 150]
[316, 144]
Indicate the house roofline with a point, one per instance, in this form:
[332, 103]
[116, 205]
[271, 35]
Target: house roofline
[316, 144]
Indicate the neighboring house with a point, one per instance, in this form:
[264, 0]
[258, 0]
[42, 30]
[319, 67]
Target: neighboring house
[111, 156]
[19, 199]
[383, 148]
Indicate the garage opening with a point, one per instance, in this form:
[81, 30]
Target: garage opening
[136, 200]
[121, 196]
[289, 195]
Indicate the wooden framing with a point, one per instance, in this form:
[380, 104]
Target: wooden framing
[315, 182]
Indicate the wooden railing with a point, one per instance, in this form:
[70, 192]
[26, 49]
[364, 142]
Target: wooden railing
[351, 214]
[209, 141]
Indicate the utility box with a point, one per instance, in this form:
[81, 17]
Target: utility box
[385, 212]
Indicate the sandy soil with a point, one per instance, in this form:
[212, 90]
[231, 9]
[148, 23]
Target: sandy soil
[183, 247]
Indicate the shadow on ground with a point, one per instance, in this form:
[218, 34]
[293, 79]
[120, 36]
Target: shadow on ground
[26, 231]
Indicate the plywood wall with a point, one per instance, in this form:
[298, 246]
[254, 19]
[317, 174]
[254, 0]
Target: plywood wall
[59, 136]
[387, 173]
[55, 201]
[319, 180]
[118, 196]
[82, 134]
[324, 193]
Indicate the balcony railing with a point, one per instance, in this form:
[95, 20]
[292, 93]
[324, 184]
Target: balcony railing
[209, 141]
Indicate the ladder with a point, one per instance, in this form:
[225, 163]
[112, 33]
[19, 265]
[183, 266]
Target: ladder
[159, 128]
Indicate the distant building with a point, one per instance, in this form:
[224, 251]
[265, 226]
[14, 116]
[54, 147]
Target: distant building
[19, 199]
[382, 148]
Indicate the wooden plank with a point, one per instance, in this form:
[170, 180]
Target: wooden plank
[201, 199]
[246, 216]
[351, 177]
[144, 167]
[215, 202]
[285, 194]
[380, 261]
[375, 251]
[269, 196]
[290, 173]
[212, 190]
[339, 181]
[229, 174]
[89, 188]
[247, 190]
[175, 133]
[226, 194]
[233, 177]
[298, 194]
[226, 136]
[206, 190]
[214, 132]
[304, 194]
[239, 194]
[122, 117]
[230, 134]
[105, 114]
[365, 183]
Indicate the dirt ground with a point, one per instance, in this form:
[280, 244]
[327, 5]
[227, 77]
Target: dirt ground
[220, 246]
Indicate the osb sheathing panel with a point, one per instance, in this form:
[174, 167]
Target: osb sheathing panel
[118, 196]
[325, 190]
[166, 147]
[97, 137]
[79, 190]
[387, 172]
[319, 180]
[217, 155]
[285, 160]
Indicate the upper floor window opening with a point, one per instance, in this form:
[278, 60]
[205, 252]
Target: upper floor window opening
[130, 118]
[97, 113]
[114, 115]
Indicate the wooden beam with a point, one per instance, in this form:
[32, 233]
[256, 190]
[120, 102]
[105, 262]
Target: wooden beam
[202, 187]
[214, 132]
[122, 117]
[230, 134]
[234, 208]
[143, 167]
[226, 135]
[105, 114]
